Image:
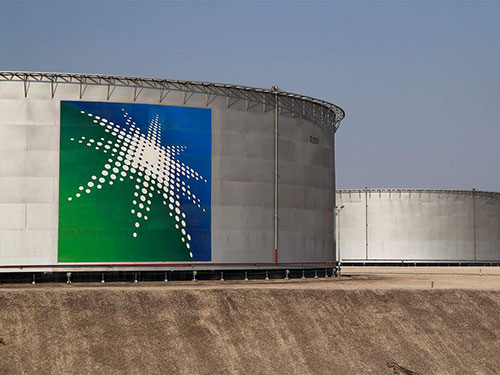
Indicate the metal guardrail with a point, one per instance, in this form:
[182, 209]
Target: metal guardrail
[476, 193]
[135, 276]
[318, 111]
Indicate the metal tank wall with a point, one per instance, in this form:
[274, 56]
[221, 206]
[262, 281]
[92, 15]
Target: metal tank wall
[243, 188]
[243, 174]
[306, 199]
[242, 183]
[387, 225]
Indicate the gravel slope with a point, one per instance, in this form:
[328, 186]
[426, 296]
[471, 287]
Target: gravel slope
[268, 328]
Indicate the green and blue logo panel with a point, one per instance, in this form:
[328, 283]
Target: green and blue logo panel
[135, 183]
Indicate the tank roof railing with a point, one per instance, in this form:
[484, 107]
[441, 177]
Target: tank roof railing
[316, 110]
[478, 193]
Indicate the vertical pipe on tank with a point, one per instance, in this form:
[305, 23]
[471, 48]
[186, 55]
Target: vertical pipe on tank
[276, 129]
[337, 218]
[366, 223]
[334, 191]
[474, 215]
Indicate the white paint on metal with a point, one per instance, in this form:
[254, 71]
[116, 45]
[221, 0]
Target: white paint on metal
[243, 161]
[387, 225]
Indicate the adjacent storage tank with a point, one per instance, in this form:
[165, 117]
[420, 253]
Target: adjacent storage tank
[111, 171]
[411, 225]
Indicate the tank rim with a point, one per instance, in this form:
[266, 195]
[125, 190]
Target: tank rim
[491, 194]
[160, 83]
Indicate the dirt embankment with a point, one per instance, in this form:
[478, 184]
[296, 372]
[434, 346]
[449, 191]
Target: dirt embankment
[248, 331]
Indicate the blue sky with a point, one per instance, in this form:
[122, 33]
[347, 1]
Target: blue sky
[419, 81]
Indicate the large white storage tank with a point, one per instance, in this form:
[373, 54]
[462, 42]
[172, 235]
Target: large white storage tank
[413, 225]
[110, 171]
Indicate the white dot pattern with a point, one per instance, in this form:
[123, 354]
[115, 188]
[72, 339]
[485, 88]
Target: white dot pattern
[155, 169]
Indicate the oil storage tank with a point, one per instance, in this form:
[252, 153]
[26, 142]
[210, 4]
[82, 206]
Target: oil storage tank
[113, 171]
[421, 226]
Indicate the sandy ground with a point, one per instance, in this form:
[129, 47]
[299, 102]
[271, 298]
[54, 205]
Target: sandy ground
[431, 321]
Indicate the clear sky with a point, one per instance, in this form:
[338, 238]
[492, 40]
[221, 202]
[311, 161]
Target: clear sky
[419, 81]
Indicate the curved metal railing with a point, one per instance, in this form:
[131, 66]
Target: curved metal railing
[477, 193]
[316, 110]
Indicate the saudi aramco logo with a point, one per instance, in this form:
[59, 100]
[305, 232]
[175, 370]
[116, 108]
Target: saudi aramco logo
[134, 183]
